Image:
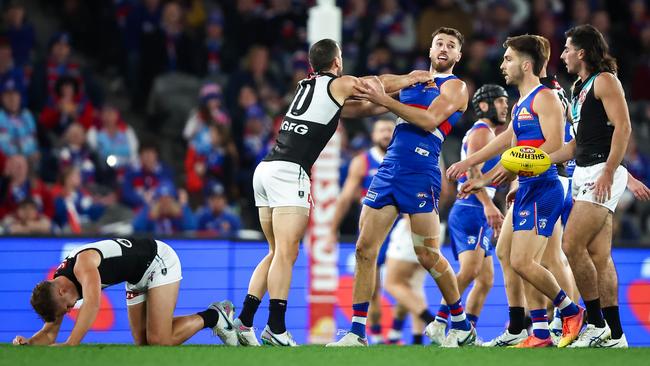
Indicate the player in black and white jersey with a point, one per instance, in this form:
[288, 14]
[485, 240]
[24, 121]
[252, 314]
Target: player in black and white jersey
[282, 185]
[600, 116]
[152, 273]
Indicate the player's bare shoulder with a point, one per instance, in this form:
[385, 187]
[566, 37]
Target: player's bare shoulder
[456, 89]
[342, 87]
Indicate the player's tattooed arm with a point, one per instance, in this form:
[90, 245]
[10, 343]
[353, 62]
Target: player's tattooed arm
[87, 273]
[44, 337]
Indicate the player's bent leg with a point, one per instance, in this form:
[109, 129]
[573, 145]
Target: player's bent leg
[482, 286]
[138, 322]
[425, 229]
[289, 225]
[374, 313]
[404, 282]
[585, 221]
[257, 285]
[374, 225]
[471, 263]
[516, 331]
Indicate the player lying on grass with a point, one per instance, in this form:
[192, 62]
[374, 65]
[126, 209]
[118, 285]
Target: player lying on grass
[152, 273]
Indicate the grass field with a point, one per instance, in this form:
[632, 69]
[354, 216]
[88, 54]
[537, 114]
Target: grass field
[118, 355]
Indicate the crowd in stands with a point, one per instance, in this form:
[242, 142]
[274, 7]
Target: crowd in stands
[206, 85]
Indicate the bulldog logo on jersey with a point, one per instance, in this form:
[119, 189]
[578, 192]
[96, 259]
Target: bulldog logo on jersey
[524, 115]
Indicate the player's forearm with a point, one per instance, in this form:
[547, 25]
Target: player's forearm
[42, 338]
[361, 108]
[87, 315]
[493, 148]
[566, 152]
[393, 83]
[423, 118]
[342, 207]
[484, 198]
[619, 145]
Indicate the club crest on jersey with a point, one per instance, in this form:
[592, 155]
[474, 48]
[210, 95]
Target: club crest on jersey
[431, 84]
[524, 115]
[471, 240]
[542, 223]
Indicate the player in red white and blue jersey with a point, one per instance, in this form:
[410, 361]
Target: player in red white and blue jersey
[362, 170]
[474, 220]
[537, 120]
[409, 182]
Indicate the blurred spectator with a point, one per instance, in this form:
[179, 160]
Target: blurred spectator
[167, 214]
[285, 27]
[114, 141]
[75, 152]
[211, 110]
[447, 13]
[580, 13]
[16, 186]
[142, 179]
[142, 22]
[9, 71]
[26, 220]
[380, 61]
[66, 107]
[215, 219]
[17, 126]
[20, 33]
[245, 25]
[256, 74]
[641, 67]
[637, 162]
[256, 135]
[357, 31]
[44, 84]
[395, 27]
[214, 159]
[213, 46]
[168, 49]
[74, 206]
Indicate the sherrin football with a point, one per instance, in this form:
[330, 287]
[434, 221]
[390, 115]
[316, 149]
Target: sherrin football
[526, 161]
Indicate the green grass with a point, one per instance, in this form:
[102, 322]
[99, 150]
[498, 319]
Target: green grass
[117, 355]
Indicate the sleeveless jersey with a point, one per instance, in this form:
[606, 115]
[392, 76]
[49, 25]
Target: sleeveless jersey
[373, 160]
[309, 124]
[593, 130]
[412, 147]
[491, 190]
[122, 260]
[526, 126]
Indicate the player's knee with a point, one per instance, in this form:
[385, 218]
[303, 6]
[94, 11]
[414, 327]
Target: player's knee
[155, 339]
[521, 264]
[484, 283]
[365, 251]
[467, 275]
[288, 254]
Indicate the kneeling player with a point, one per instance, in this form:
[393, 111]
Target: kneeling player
[152, 273]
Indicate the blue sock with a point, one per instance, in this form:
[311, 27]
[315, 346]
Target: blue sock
[472, 319]
[566, 306]
[398, 324]
[443, 313]
[359, 316]
[540, 323]
[375, 329]
[458, 318]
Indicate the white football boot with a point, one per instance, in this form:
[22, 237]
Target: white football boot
[591, 336]
[281, 340]
[459, 338]
[349, 340]
[224, 328]
[436, 332]
[245, 335]
[614, 343]
[507, 339]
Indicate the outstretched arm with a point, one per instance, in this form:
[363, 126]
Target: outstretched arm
[44, 337]
[493, 148]
[349, 192]
[87, 273]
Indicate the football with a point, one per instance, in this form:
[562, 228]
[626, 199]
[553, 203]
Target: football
[526, 161]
